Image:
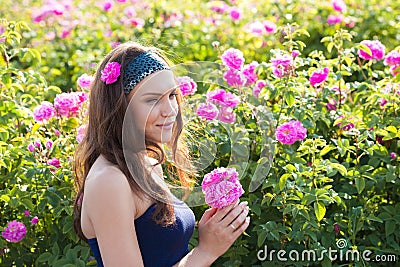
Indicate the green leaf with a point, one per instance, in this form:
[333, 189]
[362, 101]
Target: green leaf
[44, 257]
[319, 209]
[289, 98]
[326, 150]
[5, 198]
[326, 39]
[360, 184]
[340, 168]
[329, 47]
[374, 218]
[390, 227]
[282, 180]
[261, 237]
[364, 48]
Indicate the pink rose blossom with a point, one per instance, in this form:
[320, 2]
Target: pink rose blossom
[81, 133]
[27, 213]
[34, 220]
[290, 132]
[249, 72]
[80, 97]
[38, 144]
[295, 53]
[49, 144]
[260, 84]
[392, 58]
[85, 80]
[395, 69]
[233, 58]
[187, 85]
[130, 11]
[54, 162]
[269, 26]
[221, 187]
[235, 13]
[226, 115]
[107, 5]
[336, 228]
[319, 76]
[65, 33]
[331, 105]
[31, 147]
[221, 97]
[377, 50]
[14, 232]
[256, 28]
[44, 112]
[67, 104]
[234, 78]
[281, 64]
[338, 5]
[207, 111]
[383, 102]
[137, 22]
[219, 6]
[393, 155]
[348, 126]
[57, 132]
[111, 72]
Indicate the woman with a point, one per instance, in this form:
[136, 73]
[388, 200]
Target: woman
[124, 208]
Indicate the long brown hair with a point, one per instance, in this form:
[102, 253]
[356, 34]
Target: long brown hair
[107, 107]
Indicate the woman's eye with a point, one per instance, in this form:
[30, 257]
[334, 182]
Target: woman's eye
[151, 100]
[173, 95]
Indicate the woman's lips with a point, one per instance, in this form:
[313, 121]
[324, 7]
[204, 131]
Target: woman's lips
[166, 126]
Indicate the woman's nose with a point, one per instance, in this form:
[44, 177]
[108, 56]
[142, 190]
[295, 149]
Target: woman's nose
[169, 108]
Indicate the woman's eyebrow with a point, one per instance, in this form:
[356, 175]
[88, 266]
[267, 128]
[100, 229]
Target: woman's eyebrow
[158, 94]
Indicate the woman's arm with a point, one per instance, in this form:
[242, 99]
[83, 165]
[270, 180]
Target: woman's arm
[111, 208]
[218, 229]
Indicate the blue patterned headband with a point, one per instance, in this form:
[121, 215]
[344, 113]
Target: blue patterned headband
[142, 66]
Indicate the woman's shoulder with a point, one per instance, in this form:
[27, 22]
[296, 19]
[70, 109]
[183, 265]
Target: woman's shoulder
[105, 187]
[105, 174]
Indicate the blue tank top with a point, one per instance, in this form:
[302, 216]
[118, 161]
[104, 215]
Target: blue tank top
[160, 246]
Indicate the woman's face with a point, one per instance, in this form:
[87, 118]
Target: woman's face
[155, 105]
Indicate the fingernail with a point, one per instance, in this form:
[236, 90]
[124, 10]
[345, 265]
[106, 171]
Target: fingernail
[244, 203]
[246, 208]
[248, 219]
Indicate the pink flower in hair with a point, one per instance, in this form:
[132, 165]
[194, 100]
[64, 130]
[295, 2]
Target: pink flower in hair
[111, 72]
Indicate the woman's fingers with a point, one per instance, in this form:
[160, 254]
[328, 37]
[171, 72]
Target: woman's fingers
[233, 214]
[239, 216]
[242, 227]
[221, 213]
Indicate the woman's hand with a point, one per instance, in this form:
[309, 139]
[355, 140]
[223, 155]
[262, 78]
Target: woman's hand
[219, 228]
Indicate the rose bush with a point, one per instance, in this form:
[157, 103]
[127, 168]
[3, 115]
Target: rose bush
[324, 74]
